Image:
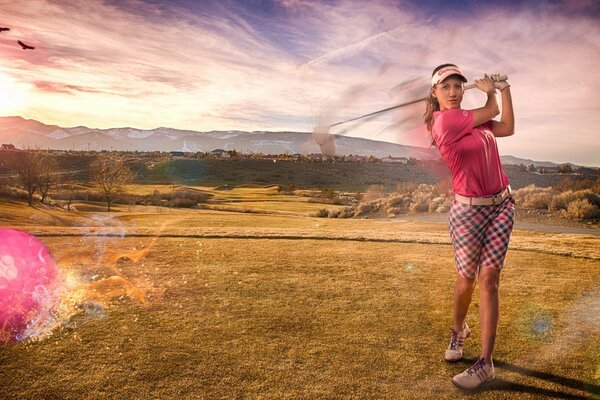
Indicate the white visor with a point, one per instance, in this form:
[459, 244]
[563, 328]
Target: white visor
[445, 72]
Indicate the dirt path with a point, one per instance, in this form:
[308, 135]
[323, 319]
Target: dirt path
[442, 218]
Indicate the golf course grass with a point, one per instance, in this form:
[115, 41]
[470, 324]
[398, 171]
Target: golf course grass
[208, 304]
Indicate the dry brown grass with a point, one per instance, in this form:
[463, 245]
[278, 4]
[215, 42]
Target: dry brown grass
[228, 305]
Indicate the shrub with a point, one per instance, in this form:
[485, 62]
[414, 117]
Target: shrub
[399, 202]
[440, 204]
[347, 212]
[534, 197]
[419, 206]
[13, 192]
[582, 209]
[538, 201]
[322, 213]
[590, 196]
[406, 187]
[334, 213]
[421, 198]
[181, 202]
[569, 184]
[562, 201]
[365, 209]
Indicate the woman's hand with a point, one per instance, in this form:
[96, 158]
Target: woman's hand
[486, 85]
[500, 81]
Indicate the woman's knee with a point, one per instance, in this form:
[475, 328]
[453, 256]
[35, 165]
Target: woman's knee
[465, 283]
[489, 280]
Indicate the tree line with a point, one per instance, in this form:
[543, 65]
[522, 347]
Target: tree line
[37, 172]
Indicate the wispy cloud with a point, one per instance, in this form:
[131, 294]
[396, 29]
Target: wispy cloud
[227, 65]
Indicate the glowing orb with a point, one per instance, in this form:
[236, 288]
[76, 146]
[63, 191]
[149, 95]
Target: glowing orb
[29, 284]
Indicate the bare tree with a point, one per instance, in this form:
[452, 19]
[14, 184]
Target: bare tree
[67, 192]
[49, 176]
[29, 171]
[110, 174]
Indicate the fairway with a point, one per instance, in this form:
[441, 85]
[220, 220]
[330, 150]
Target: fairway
[206, 304]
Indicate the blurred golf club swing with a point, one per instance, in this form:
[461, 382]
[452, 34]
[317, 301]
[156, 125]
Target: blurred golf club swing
[325, 140]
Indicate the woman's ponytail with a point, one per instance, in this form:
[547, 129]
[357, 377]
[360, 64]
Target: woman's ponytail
[428, 117]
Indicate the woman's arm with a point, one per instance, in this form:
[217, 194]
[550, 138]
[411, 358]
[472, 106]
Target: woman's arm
[506, 126]
[490, 110]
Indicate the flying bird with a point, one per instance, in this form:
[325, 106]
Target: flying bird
[25, 46]
[4, 29]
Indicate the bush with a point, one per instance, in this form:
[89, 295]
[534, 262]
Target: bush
[406, 187]
[334, 213]
[421, 198]
[347, 212]
[569, 184]
[534, 197]
[198, 197]
[419, 206]
[590, 196]
[182, 202]
[398, 202]
[322, 213]
[15, 193]
[538, 201]
[366, 209]
[440, 204]
[582, 209]
[561, 201]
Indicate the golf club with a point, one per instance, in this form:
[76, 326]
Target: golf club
[325, 140]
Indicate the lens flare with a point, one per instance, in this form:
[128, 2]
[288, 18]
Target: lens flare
[30, 285]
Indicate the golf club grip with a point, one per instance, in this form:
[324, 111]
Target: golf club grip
[500, 78]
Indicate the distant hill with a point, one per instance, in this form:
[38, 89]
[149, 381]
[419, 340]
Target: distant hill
[27, 133]
[24, 133]
[512, 160]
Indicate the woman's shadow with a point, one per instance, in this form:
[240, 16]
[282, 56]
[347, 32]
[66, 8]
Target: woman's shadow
[501, 384]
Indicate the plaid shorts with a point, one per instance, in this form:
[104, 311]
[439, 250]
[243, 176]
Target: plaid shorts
[480, 235]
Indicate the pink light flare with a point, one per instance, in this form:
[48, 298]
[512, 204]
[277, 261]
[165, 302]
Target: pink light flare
[29, 285]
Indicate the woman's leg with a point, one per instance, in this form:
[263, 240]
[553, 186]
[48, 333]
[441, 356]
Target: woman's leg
[463, 292]
[489, 310]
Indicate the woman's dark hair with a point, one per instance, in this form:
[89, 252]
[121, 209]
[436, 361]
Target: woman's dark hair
[432, 104]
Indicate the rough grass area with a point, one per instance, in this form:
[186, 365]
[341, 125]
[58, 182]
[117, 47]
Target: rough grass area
[202, 304]
[306, 319]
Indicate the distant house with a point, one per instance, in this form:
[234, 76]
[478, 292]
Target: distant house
[220, 153]
[177, 154]
[399, 160]
[8, 147]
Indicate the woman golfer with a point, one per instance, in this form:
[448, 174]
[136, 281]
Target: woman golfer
[482, 213]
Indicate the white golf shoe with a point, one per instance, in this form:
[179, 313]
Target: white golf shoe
[454, 352]
[477, 374]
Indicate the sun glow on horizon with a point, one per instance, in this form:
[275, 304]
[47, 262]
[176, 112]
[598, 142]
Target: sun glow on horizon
[12, 95]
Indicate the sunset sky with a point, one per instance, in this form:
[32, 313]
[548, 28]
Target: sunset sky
[276, 65]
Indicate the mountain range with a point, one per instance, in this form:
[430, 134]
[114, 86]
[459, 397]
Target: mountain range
[30, 134]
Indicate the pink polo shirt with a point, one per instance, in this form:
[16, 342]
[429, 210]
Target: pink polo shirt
[471, 153]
